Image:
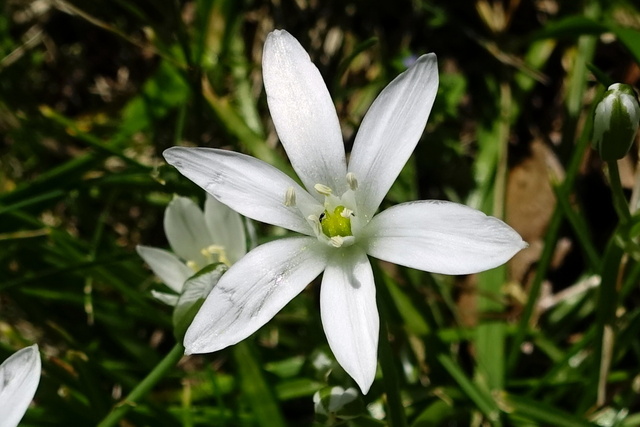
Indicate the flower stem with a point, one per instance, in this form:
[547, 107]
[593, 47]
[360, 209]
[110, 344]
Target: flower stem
[121, 409]
[619, 200]
[390, 378]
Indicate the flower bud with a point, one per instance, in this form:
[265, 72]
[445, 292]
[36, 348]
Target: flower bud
[332, 403]
[616, 122]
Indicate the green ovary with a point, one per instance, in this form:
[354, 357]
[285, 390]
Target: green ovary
[334, 224]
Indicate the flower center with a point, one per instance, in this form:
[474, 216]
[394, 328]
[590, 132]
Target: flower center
[334, 224]
[337, 223]
[211, 254]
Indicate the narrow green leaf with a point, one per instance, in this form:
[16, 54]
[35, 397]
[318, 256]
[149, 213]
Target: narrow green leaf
[630, 38]
[434, 415]
[572, 26]
[482, 399]
[255, 388]
[413, 320]
[491, 332]
[540, 412]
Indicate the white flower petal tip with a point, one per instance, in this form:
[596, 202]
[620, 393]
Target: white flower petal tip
[391, 130]
[19, 379]
[165, 298]
[253, 290]
[442, 237]
[303, 113]
[166, 266]
[350, 316]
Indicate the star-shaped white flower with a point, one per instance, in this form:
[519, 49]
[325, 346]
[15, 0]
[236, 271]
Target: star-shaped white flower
[197, 239]
[19, 379]
[335, 213]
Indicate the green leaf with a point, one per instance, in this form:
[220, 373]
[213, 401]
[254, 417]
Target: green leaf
[482, 398]
[573, 26]
[630, 38]
[435, 414]
[540, 412]
[255, 387]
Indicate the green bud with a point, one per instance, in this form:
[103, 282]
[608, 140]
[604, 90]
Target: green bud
[616, 122]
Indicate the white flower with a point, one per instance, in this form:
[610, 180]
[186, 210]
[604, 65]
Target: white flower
[199, 238]
[19, 378]
[335, 214]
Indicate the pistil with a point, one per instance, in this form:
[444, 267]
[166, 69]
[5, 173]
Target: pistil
[335, 223]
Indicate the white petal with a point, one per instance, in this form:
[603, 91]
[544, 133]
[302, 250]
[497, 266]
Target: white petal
[247, 185]
[390, 131]
[166, 266]
[253, 291]
[340, 398]
[349, 314]
[165, 298]
[441, 237]
[19, 378]
[303, 113]
[186, 230]
[226, 228]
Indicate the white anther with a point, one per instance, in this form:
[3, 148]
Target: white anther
[290, 197]
[352, 181]
[346, 213]
[336, 241]
[192, 265]
[323, 189]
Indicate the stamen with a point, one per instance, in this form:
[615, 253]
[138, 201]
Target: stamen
[352, 181]
[220, 252]
[192, 265]
[290, 197]
[317, 227]
[336, 241]
[323, 189]
[215, 249]
[346, 213]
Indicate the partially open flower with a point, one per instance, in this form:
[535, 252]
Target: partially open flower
[197, 239]
[616, 122]
[337, 403]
